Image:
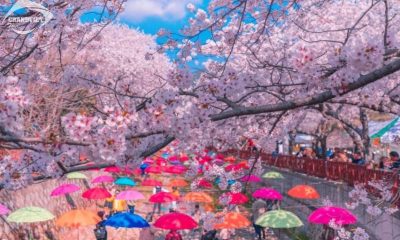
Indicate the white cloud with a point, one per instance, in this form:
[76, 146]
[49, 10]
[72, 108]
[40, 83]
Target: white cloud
[138, 10]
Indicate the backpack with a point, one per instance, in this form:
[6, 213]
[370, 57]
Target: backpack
[100, 233]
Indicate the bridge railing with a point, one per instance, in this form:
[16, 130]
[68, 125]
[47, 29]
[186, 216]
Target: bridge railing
[337, 171]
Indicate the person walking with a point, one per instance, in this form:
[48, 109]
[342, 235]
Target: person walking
[394, 157]
[258, 208]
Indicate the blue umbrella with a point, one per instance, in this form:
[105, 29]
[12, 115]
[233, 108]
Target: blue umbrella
[126, 220]
[165, 155]
[144, 165]
[218, 180]
[125, 181]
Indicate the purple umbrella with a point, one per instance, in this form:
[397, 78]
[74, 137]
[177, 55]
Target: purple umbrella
[4, 210]
[251, 178]
[267, 193]
[103, 179]
[64, 189]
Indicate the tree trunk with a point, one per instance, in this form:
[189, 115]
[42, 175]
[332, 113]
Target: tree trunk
[365, 132]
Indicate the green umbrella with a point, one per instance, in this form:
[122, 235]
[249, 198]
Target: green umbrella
[30, 215]
[76, 175]
[279, 219]
[272, 175]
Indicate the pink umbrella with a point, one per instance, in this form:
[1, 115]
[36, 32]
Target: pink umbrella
[112, 169]
[267, 193]
[251, 178]
[148, 160]
[103, 179]
[175, 169]
[129, 195]
[153, 169]
[326, 214]
[4, 210]
[64, 189]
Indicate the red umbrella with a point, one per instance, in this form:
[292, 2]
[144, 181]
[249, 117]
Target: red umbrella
[112, 169]
[161, 161]
[184, 158]
[230, 167]
[175, 169]
[96, 193]
[162, 197]
[175, 221]
[205, 159]
[219, 156]
[151, 183]
[237, 198]
[153, 169]
[205, 184]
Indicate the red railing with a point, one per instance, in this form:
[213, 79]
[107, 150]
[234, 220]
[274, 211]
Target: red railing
[337, 171]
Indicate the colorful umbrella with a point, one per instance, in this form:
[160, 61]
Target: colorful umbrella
[178, 183]
[230, 159]
[125, 181]
[272, 175]
[30, 215]
[64, 189]
[129, 195]
[175, 221]
[237, 198]
[112, 169]
[151, 183]
[175, 169]
[279, 219]
[339, 215]
[267, 193]
[78, 218]
[251, 178]
[198, 197]
[162, 197]
[204, 184]
[103, 179]
[153, 169]
[126, 220]
[76, 175]
[4, 210]
[233, 220]
[96, 193]
[303, 192]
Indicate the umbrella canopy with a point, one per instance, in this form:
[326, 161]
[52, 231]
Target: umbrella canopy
[279, 219]
[198, 197]
[153, 169]
[64, 189]
[126, 220]
[205, 184]
[267, 193]
[129, 195]
[339, 215]
[125, 181]
[162, 197]
[78, 218]
[177, 169]
[236, 198]
[178, 183]
[272, 175]
[30, 215]
[251, 178]
[103, 179]
[175, 221]
[112, 169]
[151, 183]
[233, 220]
[230, 159]
[96, 193]
[303, 192]
[76, 175]
[4, 210]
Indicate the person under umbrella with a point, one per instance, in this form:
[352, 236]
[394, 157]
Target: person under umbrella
[173, 235]
[258, 208]
[100, 232]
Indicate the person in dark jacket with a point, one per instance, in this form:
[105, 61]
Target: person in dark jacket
[394, 157]
[357, 159]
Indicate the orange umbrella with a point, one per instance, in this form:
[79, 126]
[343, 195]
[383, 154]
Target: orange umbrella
[78, 218]
[178, 183]
[233, 220]
[198, 197]
[303, 192]
[209, 208]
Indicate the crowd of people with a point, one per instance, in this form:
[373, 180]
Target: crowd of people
[390, 162]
